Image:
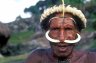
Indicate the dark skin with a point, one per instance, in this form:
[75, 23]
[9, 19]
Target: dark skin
[62, 29]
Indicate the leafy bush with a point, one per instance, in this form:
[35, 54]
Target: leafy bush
[14, 59]
[20, 37]
[94, 25]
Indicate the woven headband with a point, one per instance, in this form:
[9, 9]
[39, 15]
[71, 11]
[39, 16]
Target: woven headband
[63, 9]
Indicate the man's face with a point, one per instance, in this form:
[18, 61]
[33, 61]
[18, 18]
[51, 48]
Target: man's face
[62, 29]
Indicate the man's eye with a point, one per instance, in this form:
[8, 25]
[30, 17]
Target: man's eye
[68, 28]
[55, 29]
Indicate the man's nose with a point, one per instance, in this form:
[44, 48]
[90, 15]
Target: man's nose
[62, 36]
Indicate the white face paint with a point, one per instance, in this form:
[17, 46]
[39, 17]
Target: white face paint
[66, 41]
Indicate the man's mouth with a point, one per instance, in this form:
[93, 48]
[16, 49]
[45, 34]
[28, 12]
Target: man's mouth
[62, 47]
[62, 44]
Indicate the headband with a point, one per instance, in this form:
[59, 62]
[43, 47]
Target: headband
[68, 9]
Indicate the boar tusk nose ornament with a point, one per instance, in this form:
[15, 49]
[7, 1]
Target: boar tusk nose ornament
[66, 41]
[50, 39]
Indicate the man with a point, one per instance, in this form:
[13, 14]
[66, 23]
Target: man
[62, 25]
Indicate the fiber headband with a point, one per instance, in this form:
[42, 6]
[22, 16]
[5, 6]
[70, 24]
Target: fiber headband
[59, 8]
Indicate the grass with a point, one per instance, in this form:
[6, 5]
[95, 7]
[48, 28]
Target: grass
[20, 37]
[14, 59]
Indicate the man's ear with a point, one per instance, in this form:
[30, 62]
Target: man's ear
[78, 32]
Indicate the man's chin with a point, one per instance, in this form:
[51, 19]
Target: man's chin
[62, 55]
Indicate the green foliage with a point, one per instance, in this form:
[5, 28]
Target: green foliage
[94, 44]
[14, 59]
[32, 9]
[20, 37]
[94, 25]
[88, 29]
[74, 2]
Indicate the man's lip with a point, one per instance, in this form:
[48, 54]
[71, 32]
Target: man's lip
[62, 45]
[62, 49]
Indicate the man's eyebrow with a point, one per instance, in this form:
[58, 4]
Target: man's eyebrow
[69, 25]
[54, 27]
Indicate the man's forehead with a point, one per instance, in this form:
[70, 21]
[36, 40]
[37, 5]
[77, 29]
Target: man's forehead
[58, 21]
[61, 20]
[58, 17]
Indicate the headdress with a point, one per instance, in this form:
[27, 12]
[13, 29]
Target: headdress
[62, 8]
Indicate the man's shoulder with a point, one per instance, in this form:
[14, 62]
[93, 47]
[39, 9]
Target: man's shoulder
[87, 53]
[86, 56]
[91, 54]
[91, 57]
